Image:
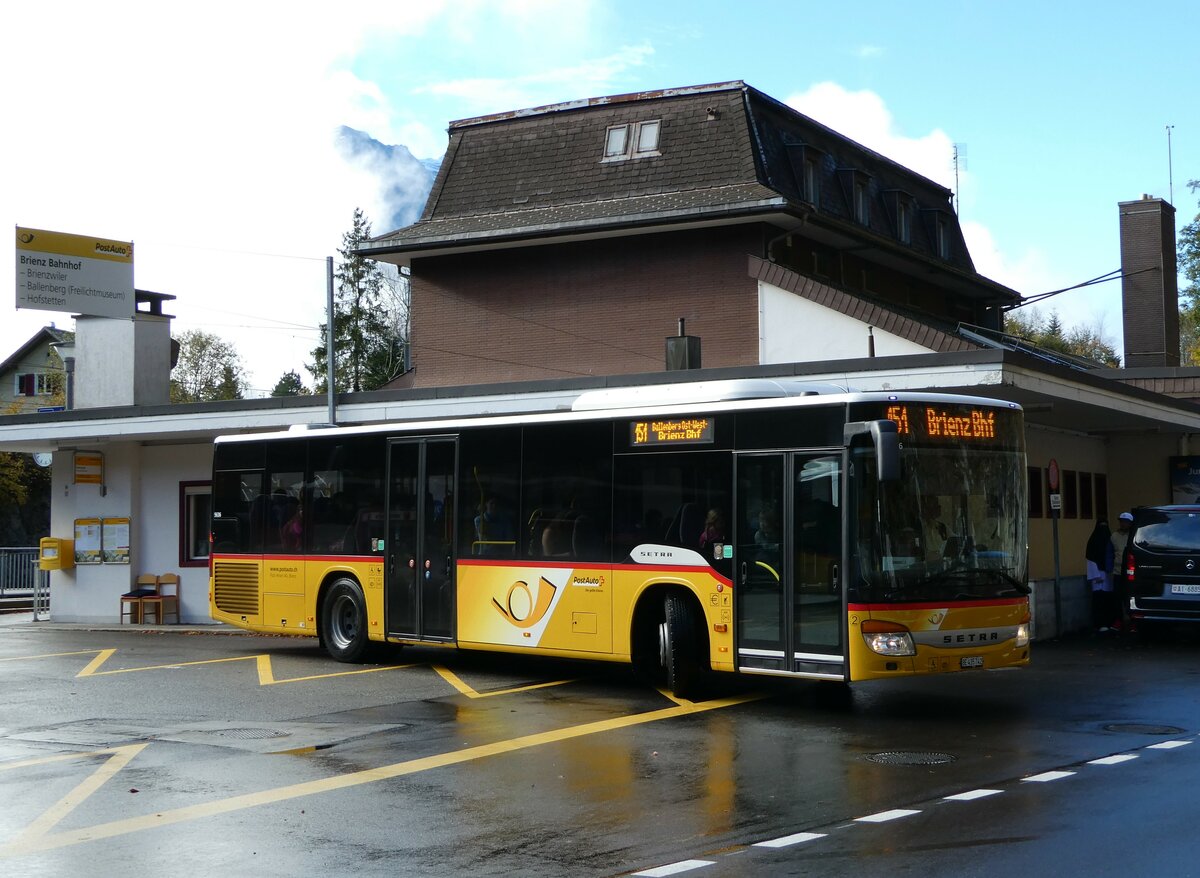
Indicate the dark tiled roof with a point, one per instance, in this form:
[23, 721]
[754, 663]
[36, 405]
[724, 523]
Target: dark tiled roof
[692, 204]
[543, 168]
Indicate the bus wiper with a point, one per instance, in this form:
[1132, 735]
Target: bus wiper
[976, 576]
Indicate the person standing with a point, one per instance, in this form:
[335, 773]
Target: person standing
[1099, 555]
[1120, 539]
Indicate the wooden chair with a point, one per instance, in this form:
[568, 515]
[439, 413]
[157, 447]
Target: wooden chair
[164, 599]
[131, 602]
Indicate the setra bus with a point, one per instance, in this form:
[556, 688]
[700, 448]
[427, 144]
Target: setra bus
[749, 526]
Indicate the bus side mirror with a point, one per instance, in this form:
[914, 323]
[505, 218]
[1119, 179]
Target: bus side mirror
[886, 439]
[887, 450]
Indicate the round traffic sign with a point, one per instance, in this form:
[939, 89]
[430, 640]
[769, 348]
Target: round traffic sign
[1052, 474]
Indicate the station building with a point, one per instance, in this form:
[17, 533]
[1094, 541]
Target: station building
[693, 234]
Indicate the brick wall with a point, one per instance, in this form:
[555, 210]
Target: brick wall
[589, 308]
[1149, 286]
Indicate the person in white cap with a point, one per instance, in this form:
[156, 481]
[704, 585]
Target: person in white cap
[1120, 539]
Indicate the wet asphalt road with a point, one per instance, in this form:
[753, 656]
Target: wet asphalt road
[130, 753]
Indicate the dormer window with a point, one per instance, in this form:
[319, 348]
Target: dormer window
[632, 140]
[856, 187]
[903, 209]
[862, 202]
[806, 168]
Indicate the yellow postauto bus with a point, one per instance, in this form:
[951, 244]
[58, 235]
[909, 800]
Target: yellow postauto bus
[747, 526]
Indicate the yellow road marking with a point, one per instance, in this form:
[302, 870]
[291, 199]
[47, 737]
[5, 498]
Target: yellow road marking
[454, 680]
[72, 800]
[266, 675]
[117, 828]
[21, 658]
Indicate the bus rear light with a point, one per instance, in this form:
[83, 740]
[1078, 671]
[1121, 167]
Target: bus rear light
[721, 628]
[888, 638]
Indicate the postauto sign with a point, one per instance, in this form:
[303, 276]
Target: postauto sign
[75, 273]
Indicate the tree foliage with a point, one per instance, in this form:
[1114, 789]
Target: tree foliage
[208, 369]
[1047, 331]
[289, 384]
[1188, 254]
[24, 496]
[370, 320]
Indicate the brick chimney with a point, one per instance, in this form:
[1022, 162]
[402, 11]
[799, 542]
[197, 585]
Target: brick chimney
[1149, 283]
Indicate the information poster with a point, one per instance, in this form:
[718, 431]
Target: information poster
[116, 541]
[1185, 480]
[88, 533]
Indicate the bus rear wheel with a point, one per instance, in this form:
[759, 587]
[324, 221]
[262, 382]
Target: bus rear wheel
[679, 648]
[344, 622]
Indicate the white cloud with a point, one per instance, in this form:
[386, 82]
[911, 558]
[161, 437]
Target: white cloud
[863, 116]
[588, 78]
[868, 52]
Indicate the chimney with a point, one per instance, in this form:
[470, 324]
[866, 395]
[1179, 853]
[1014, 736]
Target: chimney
[1149, 283]
[683, 351]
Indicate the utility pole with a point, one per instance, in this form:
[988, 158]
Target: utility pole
[1170, 167]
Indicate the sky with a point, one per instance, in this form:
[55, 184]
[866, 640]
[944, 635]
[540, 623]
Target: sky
[210, 138]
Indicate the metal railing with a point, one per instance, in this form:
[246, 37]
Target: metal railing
[18, 572]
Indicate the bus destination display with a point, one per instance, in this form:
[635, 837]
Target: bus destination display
[679, 431]
[933, 422]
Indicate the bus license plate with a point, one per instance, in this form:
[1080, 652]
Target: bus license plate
[1177, 588]
[971, 661]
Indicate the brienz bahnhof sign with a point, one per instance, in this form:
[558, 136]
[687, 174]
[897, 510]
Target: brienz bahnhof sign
[75, 273]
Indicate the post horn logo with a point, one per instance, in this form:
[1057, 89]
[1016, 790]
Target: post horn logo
[521, 608]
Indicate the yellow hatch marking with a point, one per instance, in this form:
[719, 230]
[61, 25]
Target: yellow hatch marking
[37, 830]
[454, 680]
[266, 675]
[116, 828]
[21, 658]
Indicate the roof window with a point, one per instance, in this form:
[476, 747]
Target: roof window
[631, 140]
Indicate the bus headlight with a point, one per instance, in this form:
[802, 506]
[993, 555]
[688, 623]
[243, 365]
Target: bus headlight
[1022, 635]
[888, 638]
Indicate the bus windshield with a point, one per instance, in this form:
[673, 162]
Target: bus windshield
[951, 528]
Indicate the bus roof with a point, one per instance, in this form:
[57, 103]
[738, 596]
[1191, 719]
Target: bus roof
[702, 397]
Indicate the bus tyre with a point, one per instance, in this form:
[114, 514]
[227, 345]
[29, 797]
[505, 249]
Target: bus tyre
[679, 648]
[344, 622]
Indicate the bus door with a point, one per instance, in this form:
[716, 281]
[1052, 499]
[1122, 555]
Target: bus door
[787, 565]
[419, 597]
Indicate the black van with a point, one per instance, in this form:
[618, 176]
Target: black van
[1161, 567]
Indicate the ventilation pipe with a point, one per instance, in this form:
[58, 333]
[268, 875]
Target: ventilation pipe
[683, 351]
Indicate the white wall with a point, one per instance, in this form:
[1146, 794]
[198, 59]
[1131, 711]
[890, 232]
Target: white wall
[122, 362]
[792, 329]
[143, 484]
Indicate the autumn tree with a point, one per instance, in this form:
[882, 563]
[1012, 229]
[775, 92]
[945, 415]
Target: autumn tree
[1188, 255]
[368, 321]
[1047, 331]
[208, 369]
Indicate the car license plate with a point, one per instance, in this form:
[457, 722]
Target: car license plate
[1180, 588]
[971, 661]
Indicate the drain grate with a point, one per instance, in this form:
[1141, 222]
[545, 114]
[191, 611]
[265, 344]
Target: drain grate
[249, 734]
[1143, 729]
[910, 757]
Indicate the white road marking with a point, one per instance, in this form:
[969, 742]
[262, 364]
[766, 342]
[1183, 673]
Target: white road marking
[1047, 776]
[674, 868]
[1114, 760]
[972, 795]
[885, 816]
[789, 840]
[1168, 745]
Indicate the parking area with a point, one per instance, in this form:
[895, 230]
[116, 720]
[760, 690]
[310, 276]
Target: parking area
[132, 751]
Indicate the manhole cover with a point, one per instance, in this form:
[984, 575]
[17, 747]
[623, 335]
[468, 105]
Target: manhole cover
[910, 757]
[248, 734]
[1143, 729]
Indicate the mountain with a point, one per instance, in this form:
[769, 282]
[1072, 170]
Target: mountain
[405, 180]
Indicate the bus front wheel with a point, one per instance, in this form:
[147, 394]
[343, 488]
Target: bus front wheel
[344, 622]
[679, 647]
